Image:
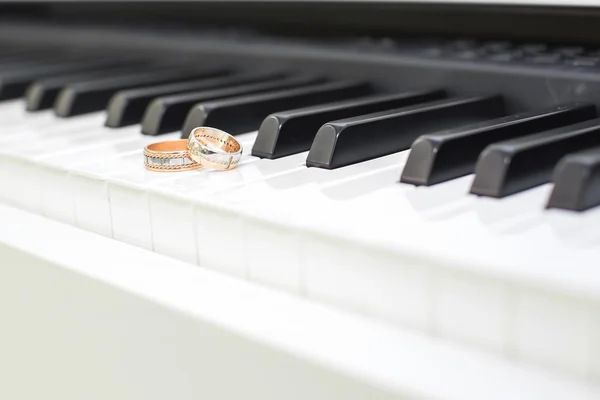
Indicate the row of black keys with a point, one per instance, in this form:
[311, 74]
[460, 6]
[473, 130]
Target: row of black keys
[451, 138]
[366, 126]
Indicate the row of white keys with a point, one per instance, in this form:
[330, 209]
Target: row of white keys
[110, 196]
[212, 226]
[156, 222]
[63, 139]
[130, 205]
[491, 272]
[259, 221]
[487, 263]
[13, 112]
[21, 142]
[44, 154]
[101, 207]
[296, 179]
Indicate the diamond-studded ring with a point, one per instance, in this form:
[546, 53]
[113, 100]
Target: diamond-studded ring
[169, 156]
[214, 148]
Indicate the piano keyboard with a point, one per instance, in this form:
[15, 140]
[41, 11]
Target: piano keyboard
[447, 187]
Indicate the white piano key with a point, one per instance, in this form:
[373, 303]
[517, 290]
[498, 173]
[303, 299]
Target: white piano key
[54, 174]
[467, 303]
[172, 227]
[276, 194]
[455, 305]
[554, 330]
[47, 124]
[39, 140]
[263, 256]
[26, 189]
[17, 155]
[12, 108]
[370, 282]
[200, 190]
[486, 332]
[88, 180]
[129, 212]
[471, 310]
[595, 344]
[316, 177]
[252, 170]
[196, 187]
[171, 208]
[13, 113]
[90, 192]
[129, 202]
[20, 188]
[217, 229]
[251, 235]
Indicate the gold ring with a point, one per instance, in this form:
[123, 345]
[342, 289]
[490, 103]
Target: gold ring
[169, 156]
[214, 148]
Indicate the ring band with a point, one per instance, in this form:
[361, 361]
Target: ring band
[214, 148]
[169, 156]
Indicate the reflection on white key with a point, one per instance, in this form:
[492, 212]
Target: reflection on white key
[87, 180]
[74, 141]
[128, 201]
[90, 192]
[50, 126]
[301, 180]
[12, 112]
[54, 177]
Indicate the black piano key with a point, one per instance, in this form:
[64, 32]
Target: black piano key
[14, 53]
[577, 181]
[441, 156]
[127, 107]
[352, 140]
[32, 58]
[167, 114]
[41, 94]
[89, 96]
[245, 114]
[9, 60]
[15, 79]
[511, 166]
[49, 62]
[290, 132]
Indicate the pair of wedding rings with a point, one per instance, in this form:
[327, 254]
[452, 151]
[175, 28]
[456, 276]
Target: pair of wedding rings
[205, 147]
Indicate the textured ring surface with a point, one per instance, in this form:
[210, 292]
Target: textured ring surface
[169, 156]
[214, 148]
